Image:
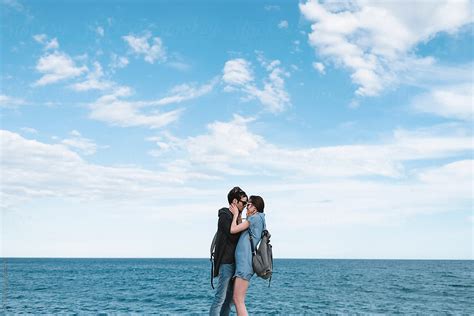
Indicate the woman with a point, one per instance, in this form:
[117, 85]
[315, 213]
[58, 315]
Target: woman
[243, 252]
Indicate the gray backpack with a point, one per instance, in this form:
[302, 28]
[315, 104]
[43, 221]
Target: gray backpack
[262, 257]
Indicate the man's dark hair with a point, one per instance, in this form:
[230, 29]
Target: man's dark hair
[257, 201]
[236, 193]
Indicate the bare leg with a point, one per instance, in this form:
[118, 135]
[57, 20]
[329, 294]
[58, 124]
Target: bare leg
[240, 290]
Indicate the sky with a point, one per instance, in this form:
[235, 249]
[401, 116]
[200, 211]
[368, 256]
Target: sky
[124, 124]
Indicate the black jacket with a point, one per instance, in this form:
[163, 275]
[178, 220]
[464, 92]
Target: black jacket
[225, 241]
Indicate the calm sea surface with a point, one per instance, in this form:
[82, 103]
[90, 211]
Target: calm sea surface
[181, 286]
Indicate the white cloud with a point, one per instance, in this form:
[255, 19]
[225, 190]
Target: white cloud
[93, 81]
[113, 109]
[43, 39]
[40, 38]
[13, 4]
[270, 7]
[375, 40]
[179, 65]
[151, 48]
[16, 5]
[449, 101]
[283, 24]
[84, 145]
[10, 102]
[118, 61]
[461, 170]
[29, 130]
[186, 92]
[166, 142]
[33, 169]
[319, 67]
[100, 31]
[237, 72]
[216, 151]
[296, 47]
[347, 202]
[53, 44]
[334, 186]
[238, 76]
[56, 67]
[354, 104]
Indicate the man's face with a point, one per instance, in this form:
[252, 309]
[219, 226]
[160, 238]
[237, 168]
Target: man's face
[241, 203]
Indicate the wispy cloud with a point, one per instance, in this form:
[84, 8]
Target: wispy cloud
[48, 44]
[272, 7]
[57, 66]
[334, 185]
[179, 65]
[454, 101]
[238, 76]
[151, 48]
[237, 72]
[18, 6]
[341, 202]
[215, 152]
[375, 40]
[118, 62]
[100, 31]
[186, 92]
[29, 130]
[283, 24]
[10, 102]
[33, 169]
[115, 110]
[78, 142]
[319, 67]
[93, 81]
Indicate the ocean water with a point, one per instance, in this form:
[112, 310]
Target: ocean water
[181, 286]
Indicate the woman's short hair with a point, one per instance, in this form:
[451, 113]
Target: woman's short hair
[258, 202]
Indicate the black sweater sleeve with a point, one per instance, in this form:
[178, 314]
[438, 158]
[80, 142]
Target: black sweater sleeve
[224, 224]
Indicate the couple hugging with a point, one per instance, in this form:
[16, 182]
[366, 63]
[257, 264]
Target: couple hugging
[233, 252]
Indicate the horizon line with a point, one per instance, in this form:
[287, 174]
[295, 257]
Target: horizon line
[282, 258]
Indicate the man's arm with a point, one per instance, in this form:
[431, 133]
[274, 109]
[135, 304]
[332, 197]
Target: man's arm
[224, 224]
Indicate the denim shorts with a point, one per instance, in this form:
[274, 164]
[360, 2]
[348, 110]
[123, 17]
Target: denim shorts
[246, 275]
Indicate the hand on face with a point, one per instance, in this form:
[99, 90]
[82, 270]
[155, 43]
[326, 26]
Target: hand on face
[233, 208]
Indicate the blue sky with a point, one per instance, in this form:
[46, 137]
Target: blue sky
[124, 125]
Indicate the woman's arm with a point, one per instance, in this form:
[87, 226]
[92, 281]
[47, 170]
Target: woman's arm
[239, 218]
[237, 227]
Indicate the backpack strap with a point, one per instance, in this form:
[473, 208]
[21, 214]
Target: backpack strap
[213, 247]
[270, 280]
[251, 242]
[212, 272]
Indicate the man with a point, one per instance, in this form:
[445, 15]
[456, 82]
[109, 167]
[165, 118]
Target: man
[224, 262]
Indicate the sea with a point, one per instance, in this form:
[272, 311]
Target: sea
[182, 286]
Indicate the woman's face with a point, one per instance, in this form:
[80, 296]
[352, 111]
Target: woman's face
[251, 209]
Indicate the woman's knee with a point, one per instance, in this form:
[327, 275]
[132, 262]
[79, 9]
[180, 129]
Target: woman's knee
[238, 299]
